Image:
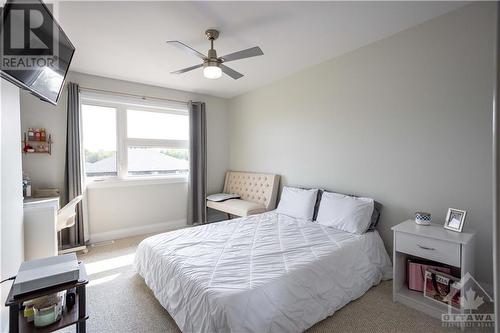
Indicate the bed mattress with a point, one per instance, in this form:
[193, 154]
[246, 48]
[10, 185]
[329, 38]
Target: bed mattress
[261, 273]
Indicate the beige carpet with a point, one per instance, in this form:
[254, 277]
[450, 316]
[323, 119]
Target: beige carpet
[119, 301]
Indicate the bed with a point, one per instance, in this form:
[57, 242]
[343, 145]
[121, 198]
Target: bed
[261, 273]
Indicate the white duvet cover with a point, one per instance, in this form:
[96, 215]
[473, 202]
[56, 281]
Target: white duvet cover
[262, 273]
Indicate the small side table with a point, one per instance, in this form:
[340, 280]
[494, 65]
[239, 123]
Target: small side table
[433, 242]
[77, 315]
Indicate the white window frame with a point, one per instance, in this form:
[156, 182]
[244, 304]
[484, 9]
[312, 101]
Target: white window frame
[123, 142]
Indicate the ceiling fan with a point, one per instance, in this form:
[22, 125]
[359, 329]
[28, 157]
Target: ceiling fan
[212, 65]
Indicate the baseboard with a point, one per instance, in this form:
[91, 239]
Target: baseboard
[137, 231]
[73, 249]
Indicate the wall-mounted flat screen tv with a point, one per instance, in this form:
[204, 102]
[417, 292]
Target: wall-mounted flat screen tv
[35, 53]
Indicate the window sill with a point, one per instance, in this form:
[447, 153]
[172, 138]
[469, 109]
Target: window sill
[135, 181]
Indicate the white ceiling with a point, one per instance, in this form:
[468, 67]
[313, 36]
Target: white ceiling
[126, 40]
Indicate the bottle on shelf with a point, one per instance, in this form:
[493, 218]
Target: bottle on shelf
[26, 186]
[31, 134]
[43, 135]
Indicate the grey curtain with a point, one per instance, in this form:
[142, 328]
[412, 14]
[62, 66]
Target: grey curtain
[197, 188]
[73, 236]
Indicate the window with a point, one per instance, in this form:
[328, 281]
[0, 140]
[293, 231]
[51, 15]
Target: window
[99, 143]
[143, 161]
[156, 125]
[127, 138]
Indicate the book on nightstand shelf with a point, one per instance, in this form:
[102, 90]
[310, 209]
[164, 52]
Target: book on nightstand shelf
[46, 272]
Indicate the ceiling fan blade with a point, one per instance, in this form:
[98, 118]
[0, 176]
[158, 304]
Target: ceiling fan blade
[187, 69]
[251, 52]
[187, 48]
[231, 72]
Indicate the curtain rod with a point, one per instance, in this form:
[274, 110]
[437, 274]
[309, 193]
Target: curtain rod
[133, 95]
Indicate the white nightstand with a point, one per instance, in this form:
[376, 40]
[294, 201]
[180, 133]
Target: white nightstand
[434, 243]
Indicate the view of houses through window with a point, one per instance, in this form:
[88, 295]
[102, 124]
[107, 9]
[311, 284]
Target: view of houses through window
[126, 140]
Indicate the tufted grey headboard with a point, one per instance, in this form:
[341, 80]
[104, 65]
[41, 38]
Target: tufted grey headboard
[257, 187]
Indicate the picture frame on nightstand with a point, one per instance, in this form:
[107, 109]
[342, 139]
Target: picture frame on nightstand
[455, 219]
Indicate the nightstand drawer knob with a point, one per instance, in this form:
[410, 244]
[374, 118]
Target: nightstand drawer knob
[425, 247]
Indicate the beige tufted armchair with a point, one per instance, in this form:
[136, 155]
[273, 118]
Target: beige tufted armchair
[258, 192]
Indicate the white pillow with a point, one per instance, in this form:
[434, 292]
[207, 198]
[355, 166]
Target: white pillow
[344, 212]
[219, 197]
[297, 202]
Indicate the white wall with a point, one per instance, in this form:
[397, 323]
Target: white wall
[11, 193]
[45, 171]
[406, 120]
[131, 209]
[119, 211]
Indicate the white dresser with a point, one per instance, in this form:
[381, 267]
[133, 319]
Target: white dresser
[40, 227]
[434, 243]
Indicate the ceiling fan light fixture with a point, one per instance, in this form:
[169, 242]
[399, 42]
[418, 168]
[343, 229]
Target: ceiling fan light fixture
[212, 72]
[213, 66]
